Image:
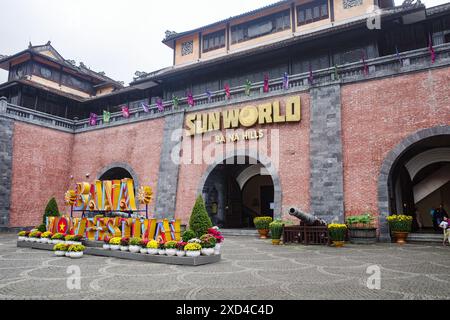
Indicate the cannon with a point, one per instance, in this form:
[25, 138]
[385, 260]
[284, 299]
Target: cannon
[306, 218]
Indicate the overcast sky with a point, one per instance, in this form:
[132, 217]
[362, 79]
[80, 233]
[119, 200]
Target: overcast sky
[115, 36]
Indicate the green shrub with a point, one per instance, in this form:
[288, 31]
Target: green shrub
[51, 210]
[42, 228]
[262, 223]
[135, 241]
[276, 230]
[200, 221]
[188, 235]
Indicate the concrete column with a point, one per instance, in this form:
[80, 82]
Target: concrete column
[327, 187]
[166, 195]
[6, 151]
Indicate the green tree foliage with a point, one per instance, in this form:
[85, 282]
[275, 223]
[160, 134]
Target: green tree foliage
[51, 210]
[200, 221]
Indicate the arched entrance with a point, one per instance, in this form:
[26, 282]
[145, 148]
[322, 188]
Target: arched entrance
[238, 189]
[118, 171]
[415, 179]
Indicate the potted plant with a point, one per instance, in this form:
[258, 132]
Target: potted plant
[46, 236]
[60, 249]
[161, 248]
[188, 235]
[276, 231]
[69, 239]
[193, 249]
[106, 244]
[76, 251]
[208, 244]
[77, 239]
[361, 229]
[219, 239]
[152, 247]
[400, 226]
[27, 235]
[143, 246]
[337, 234]
[21, 236]
[180, 249]
[171, 248]
[33, 236]
[124, 244]
[115, 243]
[57, 238]
[262, 225]
[135, 245]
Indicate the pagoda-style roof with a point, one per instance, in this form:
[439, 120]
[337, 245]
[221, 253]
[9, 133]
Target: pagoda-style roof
[49, 53]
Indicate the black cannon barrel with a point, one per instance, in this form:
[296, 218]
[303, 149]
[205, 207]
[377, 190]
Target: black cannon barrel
[307, 218]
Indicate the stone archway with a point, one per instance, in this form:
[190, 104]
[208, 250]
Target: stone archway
[263, 160]
[388, 165]
[123, 166]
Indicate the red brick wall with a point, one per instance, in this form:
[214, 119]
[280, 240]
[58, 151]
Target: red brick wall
[137, 144]
[293, 172]
[379, 114]
[41, 162]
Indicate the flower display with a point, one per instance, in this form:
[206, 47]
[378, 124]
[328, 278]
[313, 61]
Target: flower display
[22, 234]
[115, 241]
[337, 231]
[35, 234]
[106, 239]
[208, 241]
[61, 247]
[153, 244]
[193, 247]
[47, 235]
[400, 223]
[262, 223]
[181, 245]
[170, 245]
[124, 241]
[143, 243]
[195, 240]
[58, 236]
[69, 237]
[135, 241]
[217, 234]
[76, 248]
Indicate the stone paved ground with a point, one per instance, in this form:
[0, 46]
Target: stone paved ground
[250, 269]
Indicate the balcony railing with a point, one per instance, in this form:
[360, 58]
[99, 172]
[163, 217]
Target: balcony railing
[375, 68]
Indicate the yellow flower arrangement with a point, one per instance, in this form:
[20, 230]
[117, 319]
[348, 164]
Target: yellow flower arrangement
[337, 231]
[400, 223]
[153, 244]
[337, 226]
[47, 235]
[193, 247]
[115, 241]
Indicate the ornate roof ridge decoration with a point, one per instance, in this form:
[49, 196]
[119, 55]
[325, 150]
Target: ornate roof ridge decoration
[412, 4]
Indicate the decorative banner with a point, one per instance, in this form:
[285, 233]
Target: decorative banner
[190, 99]
[70, 197]
[286, 81]
[106, 116]
[175, 102]
[145, 195]
[159, 104]
[93, 119]
[227, 91]
[63, 225]
[266, 83]
[126, 112]
[248, 87]
[209, 95]
[146, 107]
[431, 48]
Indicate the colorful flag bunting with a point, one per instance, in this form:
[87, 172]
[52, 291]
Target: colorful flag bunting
[93, 119]
[106, 116]
[286, 81]
[266, 83]
[248, 87]
[432, 52]
[190, 99]
[146, 107]
[159, 104]
[125, 111]
[227, 91]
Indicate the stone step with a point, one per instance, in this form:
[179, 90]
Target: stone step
[239, 232]
[426, 238]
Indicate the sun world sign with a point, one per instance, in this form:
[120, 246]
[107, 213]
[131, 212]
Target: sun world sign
[246, 117]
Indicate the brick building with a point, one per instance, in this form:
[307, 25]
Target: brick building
[334, 109]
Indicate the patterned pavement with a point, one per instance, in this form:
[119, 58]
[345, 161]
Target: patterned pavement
[250, 269]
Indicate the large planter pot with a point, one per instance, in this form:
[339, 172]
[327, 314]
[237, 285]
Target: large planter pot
[217, 248]
[107, 246]
[161, 252]
[207, 251]
[143, 250]
[45, 240]
[68, 254]
[263, 233]
[152, 251]
[362, 235]
[60, 253]
[181, 253]
[193, 254]
[124, 248]
[400, 237]
[135, 249]
[76, 255]
[171, 252]
[21, 239]
[115, 247]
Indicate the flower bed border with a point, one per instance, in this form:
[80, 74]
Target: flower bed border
[96, 251]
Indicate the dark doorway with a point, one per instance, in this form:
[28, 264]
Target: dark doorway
[116, 173]
[267, 200]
